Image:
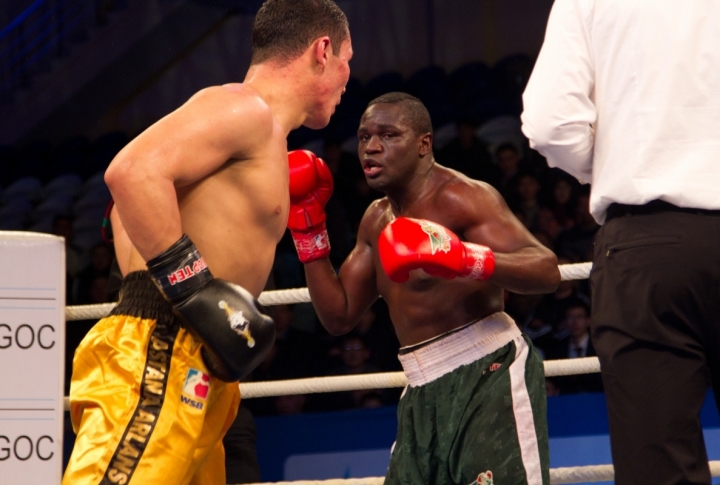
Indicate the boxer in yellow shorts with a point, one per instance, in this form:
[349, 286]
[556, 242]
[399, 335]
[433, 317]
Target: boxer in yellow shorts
[158, 400]
[201, 201]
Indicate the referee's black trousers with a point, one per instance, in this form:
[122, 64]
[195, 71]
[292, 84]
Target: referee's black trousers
[656, 325]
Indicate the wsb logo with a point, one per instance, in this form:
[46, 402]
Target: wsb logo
[24, 336]
[23, 448]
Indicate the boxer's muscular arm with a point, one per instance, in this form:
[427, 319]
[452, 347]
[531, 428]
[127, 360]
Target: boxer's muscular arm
[522, 263]
[340, 300]
[214, 126]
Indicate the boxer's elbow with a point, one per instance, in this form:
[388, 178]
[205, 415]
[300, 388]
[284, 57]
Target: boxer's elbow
[121, 174]
[550, 273]
[543, 274]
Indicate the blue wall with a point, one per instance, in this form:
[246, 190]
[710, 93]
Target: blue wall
[357, 443]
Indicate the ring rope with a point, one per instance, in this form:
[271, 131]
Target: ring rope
[382, 380]
[563, 475]
[558, 476]
[568, 272]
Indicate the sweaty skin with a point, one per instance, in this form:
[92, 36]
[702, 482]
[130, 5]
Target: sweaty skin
[399, 162]
[216, 168]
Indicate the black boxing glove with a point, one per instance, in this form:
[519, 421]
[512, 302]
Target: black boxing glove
[235, 335]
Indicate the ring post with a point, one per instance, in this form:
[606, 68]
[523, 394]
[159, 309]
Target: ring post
[32, 357]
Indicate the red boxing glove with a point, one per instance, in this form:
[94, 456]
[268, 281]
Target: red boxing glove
[407, 244]
[311, 185]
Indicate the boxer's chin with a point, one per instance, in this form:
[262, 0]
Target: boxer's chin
[318, 120]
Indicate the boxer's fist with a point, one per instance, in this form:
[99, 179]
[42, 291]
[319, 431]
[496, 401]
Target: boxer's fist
[311, 185]
[235, 335]
[407, 244]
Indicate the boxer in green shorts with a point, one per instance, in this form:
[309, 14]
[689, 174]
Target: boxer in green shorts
[440, 249]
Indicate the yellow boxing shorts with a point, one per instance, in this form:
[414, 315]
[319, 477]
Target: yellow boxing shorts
[142, 402]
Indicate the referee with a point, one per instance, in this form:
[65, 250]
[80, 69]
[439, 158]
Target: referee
[626, 95]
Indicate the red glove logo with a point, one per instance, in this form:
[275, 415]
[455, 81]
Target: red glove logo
[439, 238]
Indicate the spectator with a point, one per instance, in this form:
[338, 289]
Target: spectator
[576, 344]
[577, 242]
[467, 154]
[371, 400]
[548, 224]
[551, 310]
[101, 258]
[289, 405]
[525, 199]
[355, 356]
[551, 389]
[293, 353]
[376, 330]
[563, 202]
[507, 158]
[535, 329]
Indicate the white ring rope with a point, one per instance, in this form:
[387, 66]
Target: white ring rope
[585, 365]
[578, 271]
[382, 380]
[568, 272]
[558, 476]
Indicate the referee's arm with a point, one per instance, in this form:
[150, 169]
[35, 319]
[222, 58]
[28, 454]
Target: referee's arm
[558, 109]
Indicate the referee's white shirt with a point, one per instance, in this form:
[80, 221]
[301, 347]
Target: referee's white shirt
[625, 94]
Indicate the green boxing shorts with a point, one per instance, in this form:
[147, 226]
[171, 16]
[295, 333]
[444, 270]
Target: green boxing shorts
[474, 411]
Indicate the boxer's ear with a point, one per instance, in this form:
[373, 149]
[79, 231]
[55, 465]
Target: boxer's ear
[425, 144]
[322, 50]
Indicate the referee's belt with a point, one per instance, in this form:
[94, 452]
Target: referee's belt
[653, 207]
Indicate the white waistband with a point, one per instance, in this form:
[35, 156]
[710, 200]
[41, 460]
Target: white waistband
[458, 348]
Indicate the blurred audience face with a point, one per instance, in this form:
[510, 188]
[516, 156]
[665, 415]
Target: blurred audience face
[536, 323]
[547, 223]
[551, 389]
[466, 134]
[371, 400]
[582, 211]
[101, 257]
[528, 188]
[287, 405]
[562, 192]
[354, 354]
[508, 161]
[577, 321]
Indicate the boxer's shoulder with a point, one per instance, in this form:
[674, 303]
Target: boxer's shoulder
[236, 100]
[377, 216]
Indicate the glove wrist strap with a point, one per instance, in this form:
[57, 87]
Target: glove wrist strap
[180, 270]
[479, 262]
[312, 245]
